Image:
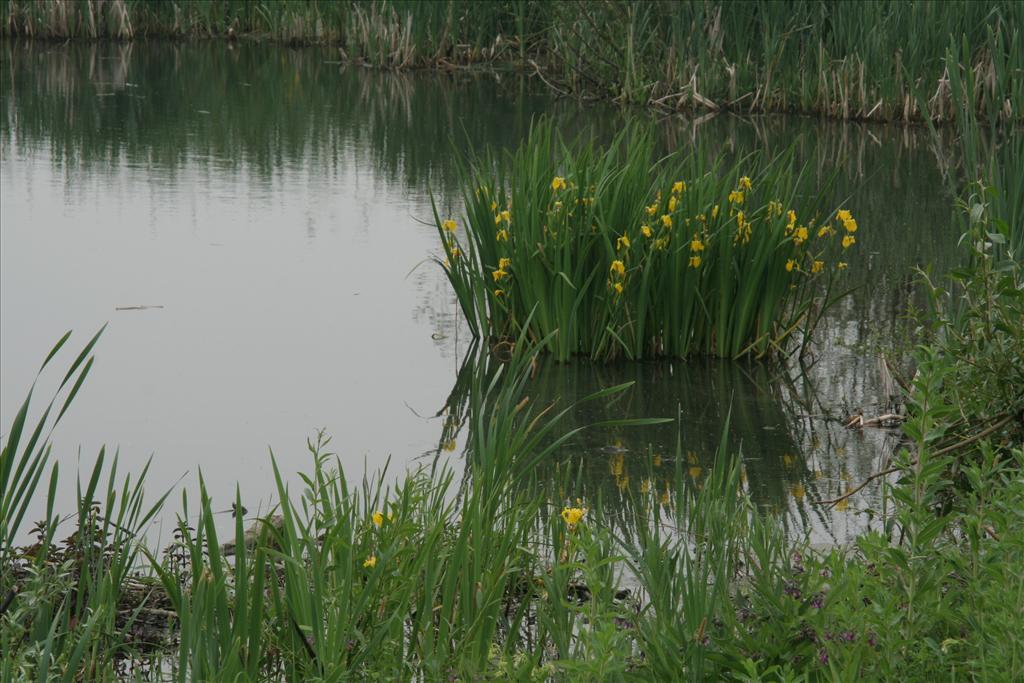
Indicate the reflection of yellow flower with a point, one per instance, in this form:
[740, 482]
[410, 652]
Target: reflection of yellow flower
[455, 252]
[849, 241]
[370, 562]
[618, 267]
[449, 445]
[622, 242]
[678, 187]
[843, 215]
[798, 491]
[843, 504]
[448, 225]
[558, 183]
[378, 518]
[646, 231]
[645, 486]
[617, 465]
[573, 516]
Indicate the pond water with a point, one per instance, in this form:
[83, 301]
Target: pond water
[250, 220]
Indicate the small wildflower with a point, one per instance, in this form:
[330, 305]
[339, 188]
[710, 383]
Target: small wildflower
[736, 197]
[646, 231]
[378, 518]
[695, 261]
[841, 265]
[558, 183]
[849, 241]
[651, 210]
[790, 265]
[370, 562]
[449, 225]
[618, 287]
[678, 187]
[501, 235]
[745, 183]
[666, 220]
[618, 267]
[800, 236]
[622, 242]
[817, 266]
[573, 516]
[672, 204]
[696, 244]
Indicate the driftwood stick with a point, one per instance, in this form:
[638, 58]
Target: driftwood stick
[942, 451]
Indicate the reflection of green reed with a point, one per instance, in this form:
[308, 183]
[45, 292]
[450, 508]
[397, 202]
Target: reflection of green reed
[702, 403]
[843, 60]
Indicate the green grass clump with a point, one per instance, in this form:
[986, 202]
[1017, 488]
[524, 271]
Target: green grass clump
[612, 253]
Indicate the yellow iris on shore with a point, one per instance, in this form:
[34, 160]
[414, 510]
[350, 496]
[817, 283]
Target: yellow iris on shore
[573, 516]
[501, 235]
[558, 183]
[378, 518]
[504, 262]
[695, 261]
[696, 244]
[790, 265]
[370, 562]
[800, 235]
[678, 187]
[849, 241]
[622, 242]
[736, 197]
[745, 183]
[498, 274]
[449, 225]
[646, 231]
[672, 204]
[618, 267]
[666, 220]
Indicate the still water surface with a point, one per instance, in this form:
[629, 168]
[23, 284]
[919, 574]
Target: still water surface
[269, 205]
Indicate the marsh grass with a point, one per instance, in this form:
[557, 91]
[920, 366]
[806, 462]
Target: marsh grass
[841, 60]
[613, 253]
[501, 575]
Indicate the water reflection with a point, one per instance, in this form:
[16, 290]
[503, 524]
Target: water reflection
[271, 199]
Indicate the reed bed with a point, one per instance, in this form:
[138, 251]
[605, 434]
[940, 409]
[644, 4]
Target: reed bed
[615, 254]
[501, 576]
[841, 60]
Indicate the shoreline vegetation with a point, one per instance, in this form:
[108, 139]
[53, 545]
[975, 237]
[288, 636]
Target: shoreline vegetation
[876, 61]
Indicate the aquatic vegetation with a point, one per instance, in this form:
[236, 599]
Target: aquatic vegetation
[841, 60]
[612, 253]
